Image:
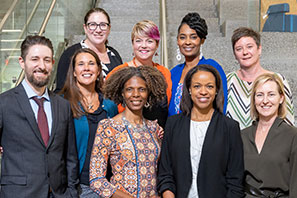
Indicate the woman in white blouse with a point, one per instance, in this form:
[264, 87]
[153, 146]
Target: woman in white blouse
[202, 154]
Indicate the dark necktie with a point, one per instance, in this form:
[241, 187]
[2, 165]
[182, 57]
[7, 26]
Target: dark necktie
[42, 120]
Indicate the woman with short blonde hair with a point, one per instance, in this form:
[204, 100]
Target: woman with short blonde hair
[145, 39]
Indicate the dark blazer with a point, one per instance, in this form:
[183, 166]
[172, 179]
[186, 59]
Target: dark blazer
[28, 168]
[221, 169]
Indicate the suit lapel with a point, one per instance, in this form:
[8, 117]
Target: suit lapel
[209, 139]
[26, 108]
[55, 117]
[186, 151]
[187, 141]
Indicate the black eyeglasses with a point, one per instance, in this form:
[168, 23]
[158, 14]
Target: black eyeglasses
[93, 26]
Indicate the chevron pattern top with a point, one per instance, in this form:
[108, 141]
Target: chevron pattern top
[239, 93]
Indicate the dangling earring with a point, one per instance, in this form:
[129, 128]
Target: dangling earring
[124, 103]
[156, 54]
[201, 54]
[178, 55]
[133, 54]
[147, 104]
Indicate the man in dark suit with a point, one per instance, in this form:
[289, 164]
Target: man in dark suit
[36, 132]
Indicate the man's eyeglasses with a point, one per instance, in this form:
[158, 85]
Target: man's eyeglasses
[93, 26]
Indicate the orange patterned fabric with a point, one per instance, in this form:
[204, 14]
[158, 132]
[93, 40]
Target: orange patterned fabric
[133, 156]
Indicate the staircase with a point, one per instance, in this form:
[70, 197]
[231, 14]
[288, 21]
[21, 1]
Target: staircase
[176, 10]
[222, 17]
[124, 15]
[15, 30]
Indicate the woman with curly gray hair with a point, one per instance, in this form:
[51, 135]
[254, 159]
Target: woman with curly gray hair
[129, 142]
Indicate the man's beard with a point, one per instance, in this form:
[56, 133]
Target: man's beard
[38, 82]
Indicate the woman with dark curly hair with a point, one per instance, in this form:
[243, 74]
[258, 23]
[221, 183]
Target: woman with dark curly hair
[192, 33]
[129, 142]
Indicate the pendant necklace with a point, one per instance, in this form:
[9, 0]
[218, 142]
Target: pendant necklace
[89, 105]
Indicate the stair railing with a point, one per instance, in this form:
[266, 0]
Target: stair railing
[22, 32]
[8, 13]
[41, 31]
[163, 27]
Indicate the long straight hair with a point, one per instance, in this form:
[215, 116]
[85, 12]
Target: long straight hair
[71, 91]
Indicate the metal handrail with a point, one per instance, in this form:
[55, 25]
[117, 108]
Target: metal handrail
[23, 31]
[41, 31]
[8, 13]
[164, 50]
[59, 51]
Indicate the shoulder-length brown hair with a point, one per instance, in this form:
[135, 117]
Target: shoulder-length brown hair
[71, 91]
[186, 103]
[260, 80]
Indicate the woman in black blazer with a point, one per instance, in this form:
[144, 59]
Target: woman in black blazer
[202, 152]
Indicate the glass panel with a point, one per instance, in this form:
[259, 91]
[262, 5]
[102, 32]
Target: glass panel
[31, 12]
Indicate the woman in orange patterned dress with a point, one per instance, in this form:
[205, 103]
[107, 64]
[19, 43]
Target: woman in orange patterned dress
[129, 142]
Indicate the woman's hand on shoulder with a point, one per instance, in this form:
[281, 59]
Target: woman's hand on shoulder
[168, 194]
[160, 133]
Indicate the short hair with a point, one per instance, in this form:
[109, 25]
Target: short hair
[146, 28]
[195, 22]
[93, 10]
[35, 40]
[260, 80]
[155, 82]
[186, 103]
[245, 32]
[70, 91]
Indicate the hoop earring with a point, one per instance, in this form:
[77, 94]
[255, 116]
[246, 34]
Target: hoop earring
[147, 104]
[178, 55]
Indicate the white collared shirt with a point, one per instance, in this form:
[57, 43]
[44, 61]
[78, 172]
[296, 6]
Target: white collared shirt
[46, 104]
[197, 135]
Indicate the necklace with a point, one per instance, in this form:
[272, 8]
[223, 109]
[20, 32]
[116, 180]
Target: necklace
[137, 128]
[90, 105]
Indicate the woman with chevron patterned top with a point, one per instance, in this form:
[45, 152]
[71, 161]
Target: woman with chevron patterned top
[247, 50]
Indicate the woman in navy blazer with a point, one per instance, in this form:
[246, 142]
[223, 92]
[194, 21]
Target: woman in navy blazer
[202, 152]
